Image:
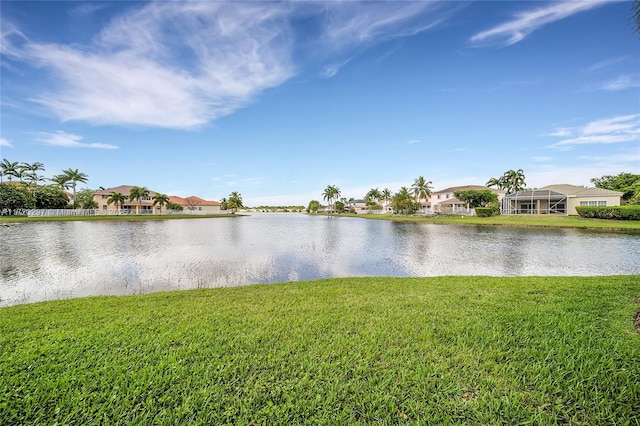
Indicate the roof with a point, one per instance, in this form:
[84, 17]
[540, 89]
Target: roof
[582, 191]
[452, 201]
[558, 192]
[467, 188]
[537, 194]
[192, 201]
[123, 189]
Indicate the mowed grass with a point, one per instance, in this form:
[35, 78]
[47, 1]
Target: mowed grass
[545, 221]
[443, 350]
[18, 219]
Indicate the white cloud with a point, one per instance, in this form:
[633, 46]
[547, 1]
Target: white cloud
[414, 141]
[183, 64]
[607, 63]
[624, 128]
[562, 132]
[542, 159]
[525, 23]
[5, 142]
[355, 23]
[166, 64]
[623, 82]
[69, 140]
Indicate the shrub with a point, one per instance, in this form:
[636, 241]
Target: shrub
[628, 212]
[487, 211]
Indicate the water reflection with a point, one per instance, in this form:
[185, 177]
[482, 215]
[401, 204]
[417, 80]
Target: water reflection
[42, 261]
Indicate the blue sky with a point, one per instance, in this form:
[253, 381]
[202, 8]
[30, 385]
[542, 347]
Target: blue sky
[277, 100]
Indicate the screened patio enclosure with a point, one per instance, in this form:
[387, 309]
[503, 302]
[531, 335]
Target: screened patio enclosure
[537, 201]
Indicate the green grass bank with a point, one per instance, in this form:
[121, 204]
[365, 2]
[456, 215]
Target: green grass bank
[14, 219]
[544, 221]
[442, 350]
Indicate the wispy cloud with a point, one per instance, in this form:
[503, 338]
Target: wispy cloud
[607, 63]
[624, 128]
[414, 141]
[354, 23]
[183, 64]
[69, 140]
[542, 159]
[5, 142]
[623, 82]
[525, 23]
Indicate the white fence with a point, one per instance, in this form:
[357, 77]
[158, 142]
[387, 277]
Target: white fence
[83, 212]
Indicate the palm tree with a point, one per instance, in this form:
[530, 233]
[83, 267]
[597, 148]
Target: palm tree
[75, 176]
[331, 192]
[62, 181]
[224, 204]
[138, 193]
[514, 181]
[421, 189]
[497, 182]
[235, 201]
[372, 197]
[385, 196]
[118, 199]
[9, 169]
[402, 201]
[161, 200]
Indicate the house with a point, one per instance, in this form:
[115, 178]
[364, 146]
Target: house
[444, 201]
[558, 199]
[193, 204]
[145, 205]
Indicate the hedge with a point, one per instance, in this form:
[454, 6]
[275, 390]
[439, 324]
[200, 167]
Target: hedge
[612, 212]
[487, 211]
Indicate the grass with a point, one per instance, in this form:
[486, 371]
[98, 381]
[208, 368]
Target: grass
[546, 221]
[443, 350]
[13, 219]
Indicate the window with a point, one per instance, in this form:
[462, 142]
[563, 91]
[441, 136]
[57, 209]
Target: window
[439, 196]
[447, 195]
[104, 207]
[104, 196]
[593, 203]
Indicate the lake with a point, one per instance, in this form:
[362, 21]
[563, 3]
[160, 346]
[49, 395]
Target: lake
[57, 260]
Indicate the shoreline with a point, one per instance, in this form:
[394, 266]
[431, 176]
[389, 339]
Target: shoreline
[522, 221]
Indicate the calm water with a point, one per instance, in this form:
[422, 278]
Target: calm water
[43, 261]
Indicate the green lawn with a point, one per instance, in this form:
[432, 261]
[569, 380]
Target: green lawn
[11, 219]
[464, 350]
[550, 221]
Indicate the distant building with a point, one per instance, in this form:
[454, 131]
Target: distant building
[444, 201]
[193, 204]
[558, 199]
[145, 205]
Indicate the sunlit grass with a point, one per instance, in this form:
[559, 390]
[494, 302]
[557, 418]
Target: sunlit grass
[465, 350]
[552, 221]
[12, 219]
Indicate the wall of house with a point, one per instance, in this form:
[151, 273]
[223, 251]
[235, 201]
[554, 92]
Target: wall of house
[598, 200]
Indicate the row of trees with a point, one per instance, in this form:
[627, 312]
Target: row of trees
[627, 183]
[405, 200]
[410, 200]
[233, 202]
[30, 182]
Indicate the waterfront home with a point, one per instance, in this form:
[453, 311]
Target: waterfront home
[558, 199]
[444, 201]
[193, 204]
[143, 206]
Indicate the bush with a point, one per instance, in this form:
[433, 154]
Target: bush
[487, 211]
[13, 197]
[628, 212]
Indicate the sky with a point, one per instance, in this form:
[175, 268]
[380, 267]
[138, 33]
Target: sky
[277, 100]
